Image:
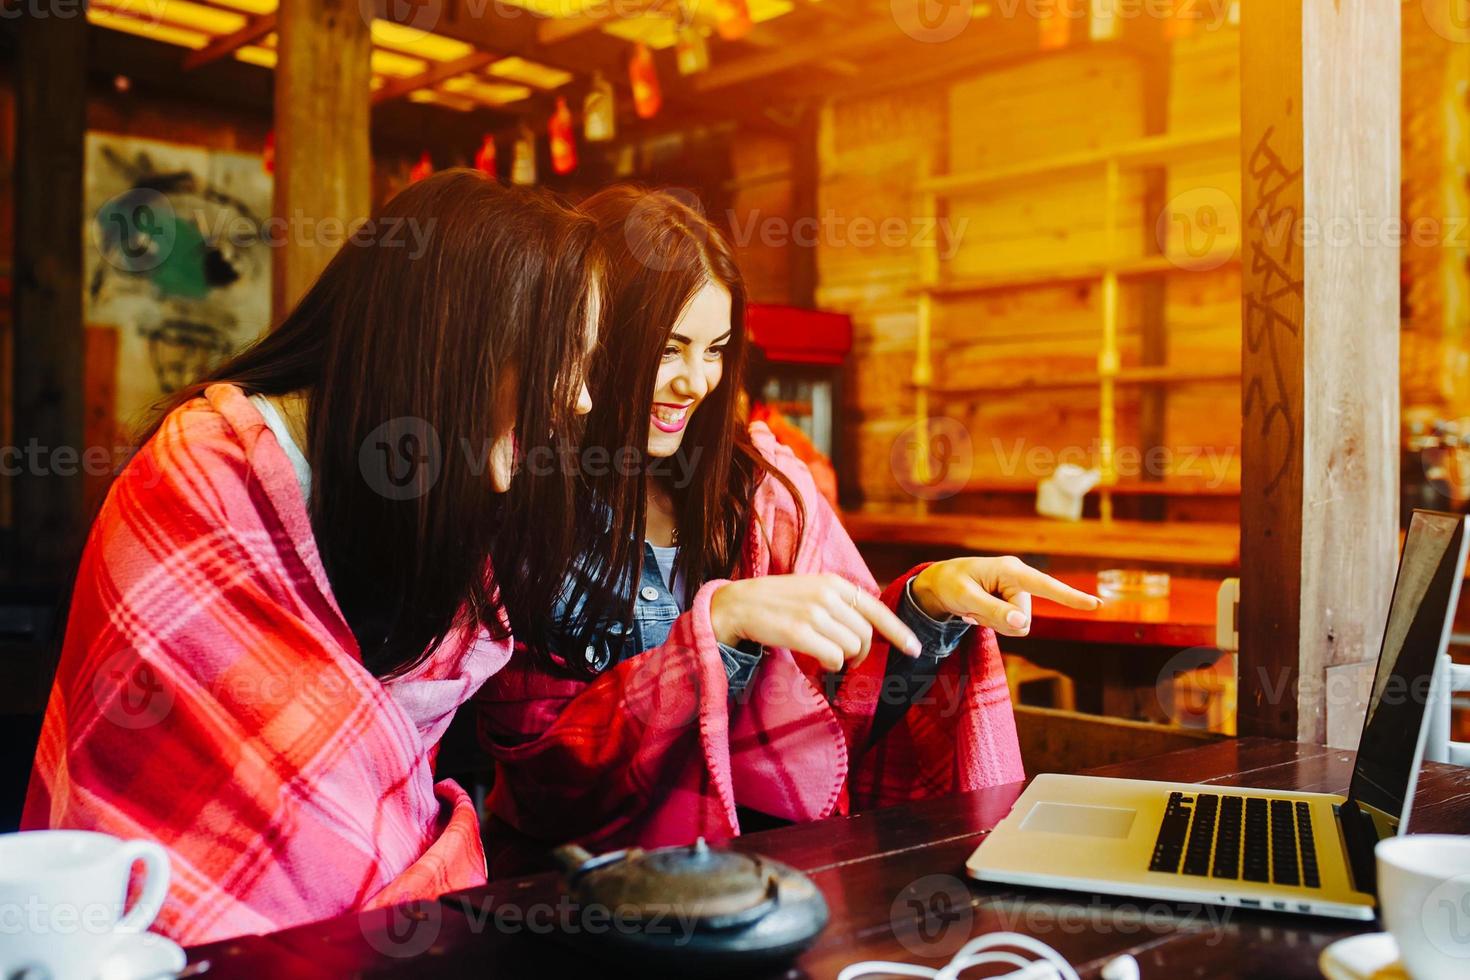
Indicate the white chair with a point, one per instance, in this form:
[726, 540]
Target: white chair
[1227, 616]
[1450, 679]
[1208, 694]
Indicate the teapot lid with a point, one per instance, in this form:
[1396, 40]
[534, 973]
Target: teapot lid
[719, 888]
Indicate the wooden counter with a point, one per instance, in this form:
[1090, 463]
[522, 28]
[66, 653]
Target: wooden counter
[1195, 544]
[1183, 618]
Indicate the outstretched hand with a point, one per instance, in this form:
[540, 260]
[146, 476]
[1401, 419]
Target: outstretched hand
[994, 592]
[823, 616]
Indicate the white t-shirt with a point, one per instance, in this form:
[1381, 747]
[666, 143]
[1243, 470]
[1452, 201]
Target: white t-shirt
[277, 425]
[665, 558]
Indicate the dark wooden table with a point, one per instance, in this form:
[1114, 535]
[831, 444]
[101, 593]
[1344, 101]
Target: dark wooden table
[895, 883]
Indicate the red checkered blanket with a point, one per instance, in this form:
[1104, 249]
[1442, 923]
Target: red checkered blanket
[654, 752]
[210, 697]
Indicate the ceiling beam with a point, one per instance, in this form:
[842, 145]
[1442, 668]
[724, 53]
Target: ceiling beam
[767, 37]
[797, 54]
[900, 64]
[426, 79]
[556, 30]
[487, 25]
[226, 45]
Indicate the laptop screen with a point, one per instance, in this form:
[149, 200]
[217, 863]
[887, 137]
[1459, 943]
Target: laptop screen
[1418, 624]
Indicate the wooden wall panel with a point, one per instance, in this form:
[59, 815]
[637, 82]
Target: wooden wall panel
[1202, 308]
[7, 218]
[100, 427]
[761, 214]
[869, 151]
[1083, 98]
[190, 123]
[1030, 110]
[1042, 227]
[47, 332]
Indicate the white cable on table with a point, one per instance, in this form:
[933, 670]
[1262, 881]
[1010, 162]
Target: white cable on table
[988, 950]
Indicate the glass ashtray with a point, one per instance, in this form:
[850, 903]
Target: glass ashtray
[1132, 583]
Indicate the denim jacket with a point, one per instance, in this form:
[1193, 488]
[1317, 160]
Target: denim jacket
[656, 609]
[654, 614]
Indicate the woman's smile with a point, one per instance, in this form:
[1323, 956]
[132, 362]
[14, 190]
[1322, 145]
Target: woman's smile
[671, 418]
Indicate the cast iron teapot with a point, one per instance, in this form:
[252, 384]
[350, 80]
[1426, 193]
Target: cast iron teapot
[695, 906]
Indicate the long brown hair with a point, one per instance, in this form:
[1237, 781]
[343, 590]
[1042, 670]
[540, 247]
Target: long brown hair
[404, 345]
[661, 250]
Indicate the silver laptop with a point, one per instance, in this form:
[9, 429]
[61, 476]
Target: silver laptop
[1268, 849]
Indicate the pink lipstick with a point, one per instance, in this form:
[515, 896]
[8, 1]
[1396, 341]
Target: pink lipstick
[669, 418]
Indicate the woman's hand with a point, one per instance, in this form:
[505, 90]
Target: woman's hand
[994, 592]
[824, 616]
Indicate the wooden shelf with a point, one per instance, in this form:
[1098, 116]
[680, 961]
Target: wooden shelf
[1110, 162]
[1168, 487]
[1145, 375]
[1140, 268]
[1197, 543]
[1163, 374]
[1150, 151]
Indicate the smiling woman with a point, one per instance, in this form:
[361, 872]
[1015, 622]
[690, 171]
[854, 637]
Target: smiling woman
[744, 605]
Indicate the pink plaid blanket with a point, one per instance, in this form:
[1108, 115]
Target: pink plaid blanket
[654, 752]
[210, 697]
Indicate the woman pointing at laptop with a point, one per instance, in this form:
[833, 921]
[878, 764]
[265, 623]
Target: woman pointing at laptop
[753, 674]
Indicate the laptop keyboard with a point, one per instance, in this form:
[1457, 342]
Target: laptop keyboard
[1239, 838]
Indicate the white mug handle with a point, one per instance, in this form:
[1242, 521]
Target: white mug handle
[155, 883]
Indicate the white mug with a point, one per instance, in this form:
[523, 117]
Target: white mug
[1424, 899]
[62, 897]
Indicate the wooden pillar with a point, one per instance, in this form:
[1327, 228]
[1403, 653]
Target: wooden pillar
[1320, 166]
[806, 176]
[50, 122]
[323, 160]
[1153, 291]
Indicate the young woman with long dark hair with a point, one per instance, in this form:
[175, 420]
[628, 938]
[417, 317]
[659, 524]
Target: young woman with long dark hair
[319, 553]
[755, 675]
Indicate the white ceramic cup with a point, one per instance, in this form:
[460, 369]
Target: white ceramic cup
[1424, 899]
[62, 897]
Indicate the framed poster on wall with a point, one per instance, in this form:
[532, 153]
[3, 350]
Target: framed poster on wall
[177, 263]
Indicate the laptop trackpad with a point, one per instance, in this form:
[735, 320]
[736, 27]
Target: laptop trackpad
[1085, 821]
